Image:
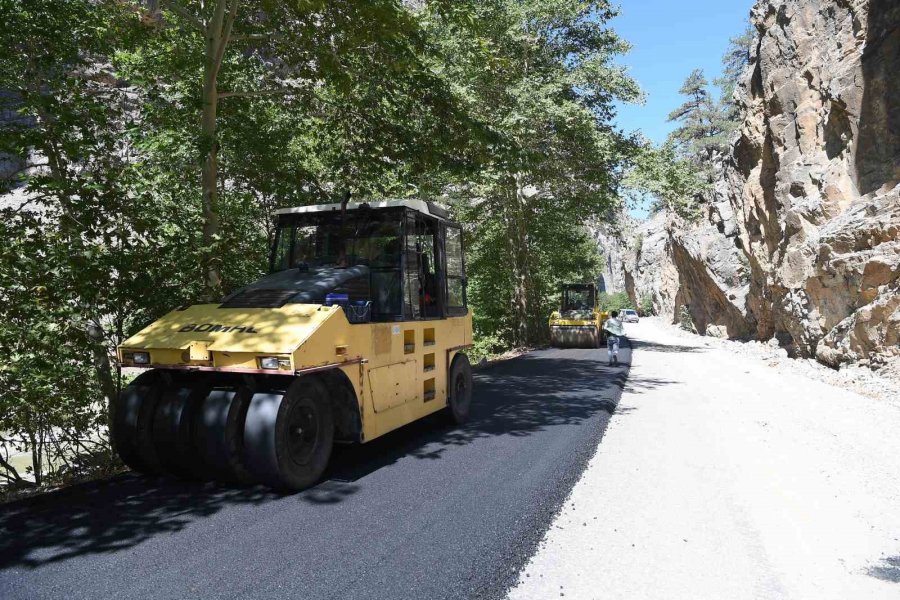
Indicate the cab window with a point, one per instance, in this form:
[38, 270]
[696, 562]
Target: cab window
[422, 292]
[456, 272]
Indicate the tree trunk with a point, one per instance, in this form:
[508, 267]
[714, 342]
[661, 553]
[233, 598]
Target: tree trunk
[519, 238]
[209, 176]
[37, 463]
[100, 357]
[99, 348]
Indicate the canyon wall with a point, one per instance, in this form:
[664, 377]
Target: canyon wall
[800, 239]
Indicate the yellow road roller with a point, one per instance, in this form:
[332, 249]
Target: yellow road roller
[360, 327]
[579, 321]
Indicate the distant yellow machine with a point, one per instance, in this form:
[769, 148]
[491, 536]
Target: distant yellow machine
[579, 321]
[361, 327]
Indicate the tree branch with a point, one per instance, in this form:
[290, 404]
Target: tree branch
[11, 474]
[13, 174]
[255, 37]
[278, 92]
[226, 34]
[185, 14]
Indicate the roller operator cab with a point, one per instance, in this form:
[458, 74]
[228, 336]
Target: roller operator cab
[360, 327]
[579, 321]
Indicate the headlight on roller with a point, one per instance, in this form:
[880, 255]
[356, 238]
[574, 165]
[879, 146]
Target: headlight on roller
[268, 362]
[141, 358]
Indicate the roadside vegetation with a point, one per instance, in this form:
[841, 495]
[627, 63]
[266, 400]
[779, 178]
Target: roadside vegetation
[617, 301]
[144, 146]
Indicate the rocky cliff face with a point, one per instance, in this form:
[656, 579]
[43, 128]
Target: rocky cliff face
[801, 237]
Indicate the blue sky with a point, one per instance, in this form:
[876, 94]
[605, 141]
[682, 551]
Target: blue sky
[670, 38]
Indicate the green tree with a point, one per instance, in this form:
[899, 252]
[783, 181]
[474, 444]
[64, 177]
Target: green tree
[617, 301]
[734, 63]
[541, 76]
[71, 232]
[671, 181]
[288, 99]
[703, 126]
[646, 307]
[676, 174]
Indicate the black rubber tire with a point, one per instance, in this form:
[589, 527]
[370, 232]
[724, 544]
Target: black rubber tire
[173, 428]
[133, 419]
[219, 432]
[288, 436]
[459, 389]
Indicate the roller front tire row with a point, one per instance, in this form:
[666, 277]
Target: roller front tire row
[232, 430]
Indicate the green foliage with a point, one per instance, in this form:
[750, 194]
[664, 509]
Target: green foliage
[289, 103]
[703, 124]
[735, 62]
[542, 77]
[685, 320]
[71, 240]
[502, 108]
[675, 183]
[638, 247]
[559, 253]
[706, 125]
[646, 307]
[486, 347]
[675, 175]
[617, 301]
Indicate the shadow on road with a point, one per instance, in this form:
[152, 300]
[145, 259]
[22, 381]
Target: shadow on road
[516, 398]
[638, 385]
[108, 516]
[645, 346]
[889, 570]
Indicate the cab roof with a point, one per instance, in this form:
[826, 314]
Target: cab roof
[427, 208]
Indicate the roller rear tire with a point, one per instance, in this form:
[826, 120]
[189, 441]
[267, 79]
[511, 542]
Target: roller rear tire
[288, 436]
[459, 389]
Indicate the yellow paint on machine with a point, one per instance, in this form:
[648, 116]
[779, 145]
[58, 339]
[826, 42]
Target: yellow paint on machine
[398, 370]
[271, 330]
[595, 324]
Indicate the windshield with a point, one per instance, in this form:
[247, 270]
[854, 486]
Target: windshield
[578, 299]
[325, 240]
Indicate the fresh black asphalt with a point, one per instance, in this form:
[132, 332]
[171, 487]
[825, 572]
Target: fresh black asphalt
[428, 512]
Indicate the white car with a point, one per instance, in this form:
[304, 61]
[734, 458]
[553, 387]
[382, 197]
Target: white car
[630, 316]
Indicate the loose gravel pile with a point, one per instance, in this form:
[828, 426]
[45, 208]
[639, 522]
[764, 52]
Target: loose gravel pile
[882, 385]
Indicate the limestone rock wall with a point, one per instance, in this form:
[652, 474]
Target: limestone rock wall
[611, 242]
[801, 237]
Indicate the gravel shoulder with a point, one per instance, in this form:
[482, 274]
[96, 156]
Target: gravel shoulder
[881, 385]
[723, 475]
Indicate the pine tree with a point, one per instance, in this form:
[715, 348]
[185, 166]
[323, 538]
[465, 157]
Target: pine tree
[734, 63]
[704, 129]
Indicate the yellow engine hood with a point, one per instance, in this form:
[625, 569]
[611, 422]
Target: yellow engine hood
[257, 330]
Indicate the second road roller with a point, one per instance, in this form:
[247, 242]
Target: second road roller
[579, 321]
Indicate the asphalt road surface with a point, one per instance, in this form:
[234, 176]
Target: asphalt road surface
[430, 511]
